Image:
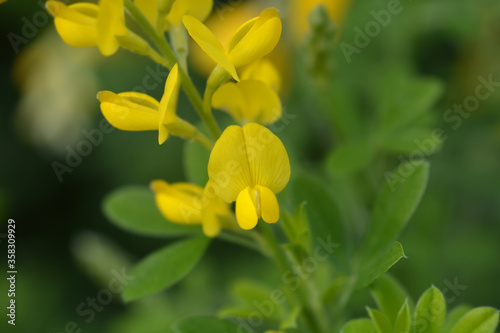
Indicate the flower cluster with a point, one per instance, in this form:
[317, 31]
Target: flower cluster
[248, 164]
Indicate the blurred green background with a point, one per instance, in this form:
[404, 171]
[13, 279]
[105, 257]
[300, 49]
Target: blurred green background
[66, 248]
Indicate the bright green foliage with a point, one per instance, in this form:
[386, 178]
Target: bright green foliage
[429, 315]
[390, 296]
[478, 320]
[430, 312]
[165, 267]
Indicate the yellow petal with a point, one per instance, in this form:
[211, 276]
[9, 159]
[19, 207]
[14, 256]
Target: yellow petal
[230, 98]
[178, 202]
[267, 157]
[196, 8]
[110, 22]
[269, 208]
[149, 8]
[246, 212]
[240, 33]
[228, 167]
[262, 105]
[76, 24]
[168, 103]
[129, 111]
[259, 40]
[209, 43]
[263, 70]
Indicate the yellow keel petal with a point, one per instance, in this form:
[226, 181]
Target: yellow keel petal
[246, 212]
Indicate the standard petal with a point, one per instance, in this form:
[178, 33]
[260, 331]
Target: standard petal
[178, 202]
[76, 24]
[262, 105]
[269, 208]
[267, 157]
[196, 8]
[168, 103]
[209, 43]
[246, 212]
[230, 98]
[110, 22]
[228, 167]
[259, 41]
[263, 70]
[126, 115]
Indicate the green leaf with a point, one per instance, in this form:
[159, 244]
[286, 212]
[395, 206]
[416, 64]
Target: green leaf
[454, 316]
[134, 209]
[430, 312]
[205, 324]
[478, 320]
[394, 206]
[195, 162]
[380, 265]
[350, 157]
[403, 320]
[380, 320]
[362, 325]
[165, 267]
[327, 229]
[389, 295]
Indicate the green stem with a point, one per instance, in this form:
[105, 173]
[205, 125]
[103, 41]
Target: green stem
[308, 316]
[187, 84]
[243, 241]
[209, 144]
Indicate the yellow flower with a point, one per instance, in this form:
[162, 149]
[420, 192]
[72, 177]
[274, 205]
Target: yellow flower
[133, 111]
[250, 165]
[185, 203]
[197, 8]
[253, 40]
[263, 70]
[248, 101]
[86, 24]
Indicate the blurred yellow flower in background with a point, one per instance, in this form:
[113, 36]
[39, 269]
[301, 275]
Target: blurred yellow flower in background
[133, 111]
[253, 40]
[250, 165]
[186, 203]
[86, 24]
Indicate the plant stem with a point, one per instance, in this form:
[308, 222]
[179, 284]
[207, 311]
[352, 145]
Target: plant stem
[187, 84]
[308, 315]
[236, 239]
[209, 144]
